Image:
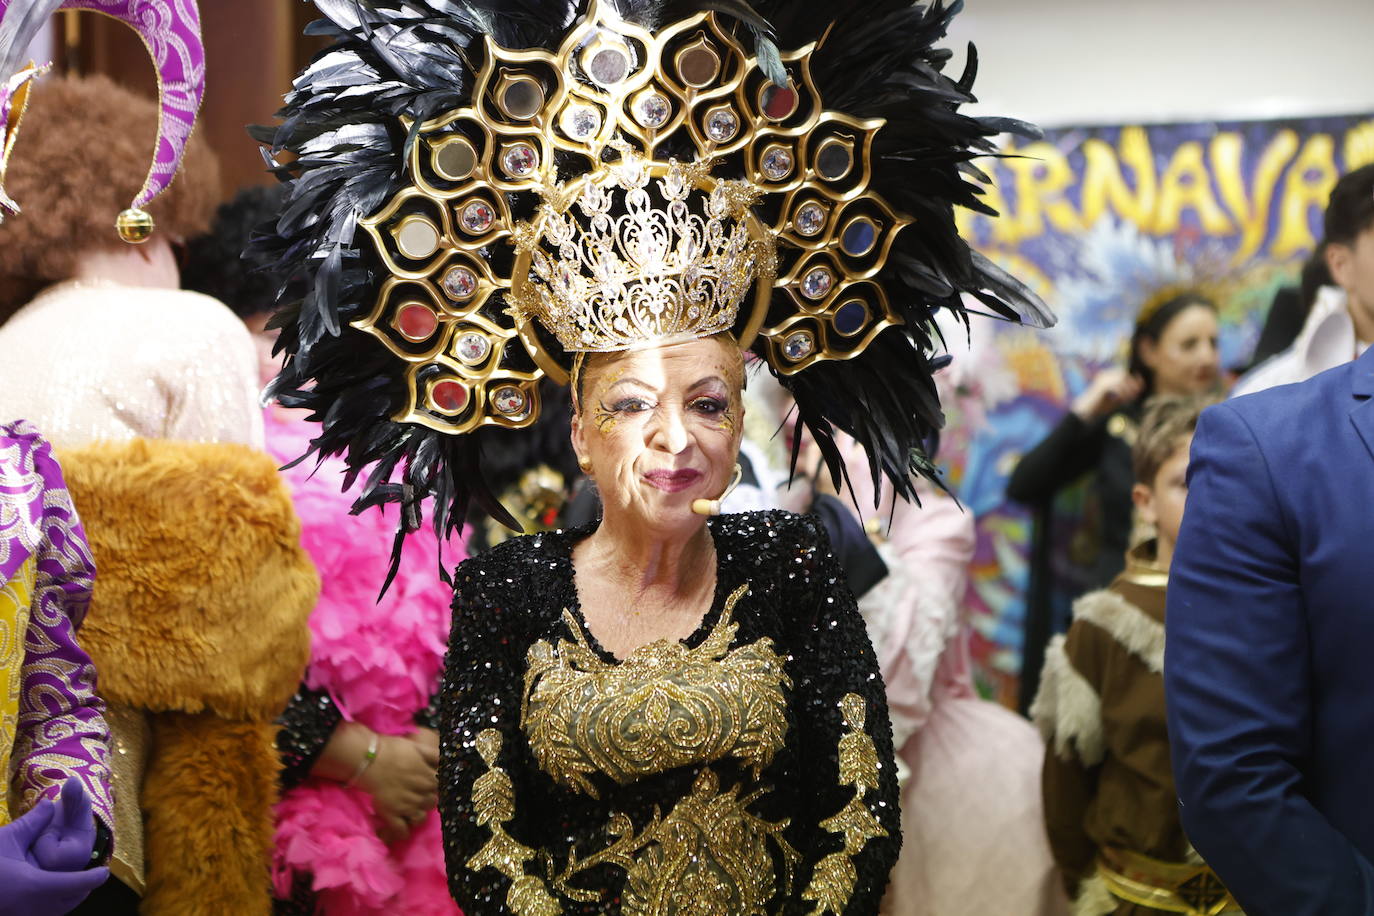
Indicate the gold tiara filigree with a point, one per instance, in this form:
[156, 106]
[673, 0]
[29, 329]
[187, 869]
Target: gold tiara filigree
[642, 253]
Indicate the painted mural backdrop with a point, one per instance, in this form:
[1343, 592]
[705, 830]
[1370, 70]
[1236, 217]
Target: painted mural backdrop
[1096, 220]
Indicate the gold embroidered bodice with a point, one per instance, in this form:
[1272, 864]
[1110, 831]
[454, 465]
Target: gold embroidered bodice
[664, 706]
[727, 776]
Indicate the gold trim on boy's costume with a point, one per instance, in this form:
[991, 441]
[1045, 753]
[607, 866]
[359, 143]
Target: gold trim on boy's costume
[198, 627]
[1109, 792]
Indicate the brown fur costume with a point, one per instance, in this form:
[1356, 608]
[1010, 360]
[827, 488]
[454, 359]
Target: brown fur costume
[83, 152]
[198, 619]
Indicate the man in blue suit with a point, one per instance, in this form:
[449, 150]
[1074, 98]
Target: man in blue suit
[1269, 669]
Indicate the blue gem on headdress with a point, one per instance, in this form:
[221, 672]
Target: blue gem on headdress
[859, 237]
[851, 317]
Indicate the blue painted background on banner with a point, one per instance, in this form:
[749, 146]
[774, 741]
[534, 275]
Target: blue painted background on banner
[1097, 220]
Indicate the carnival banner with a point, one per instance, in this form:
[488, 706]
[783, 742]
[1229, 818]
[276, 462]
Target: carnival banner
[1096, 220]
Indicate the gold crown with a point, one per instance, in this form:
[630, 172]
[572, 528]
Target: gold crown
[641, 252]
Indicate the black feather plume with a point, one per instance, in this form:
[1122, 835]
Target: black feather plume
[340, 148]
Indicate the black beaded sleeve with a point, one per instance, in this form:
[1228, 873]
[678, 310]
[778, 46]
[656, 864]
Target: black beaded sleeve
[853, 829]
[489, 871]
[306, 725]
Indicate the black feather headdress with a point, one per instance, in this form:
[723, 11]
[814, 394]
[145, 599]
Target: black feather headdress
[424, 145]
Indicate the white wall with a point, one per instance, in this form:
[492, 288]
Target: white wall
[1080, 62]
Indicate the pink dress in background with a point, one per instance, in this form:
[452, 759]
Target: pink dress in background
[973, 836]
[381, 663]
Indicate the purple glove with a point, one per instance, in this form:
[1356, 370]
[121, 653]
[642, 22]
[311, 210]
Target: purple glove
[29, 888]
[66, 844]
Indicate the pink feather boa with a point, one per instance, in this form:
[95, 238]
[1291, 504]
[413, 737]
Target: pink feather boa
[380, 663]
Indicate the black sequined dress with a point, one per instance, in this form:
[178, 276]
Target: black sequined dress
[747, 769]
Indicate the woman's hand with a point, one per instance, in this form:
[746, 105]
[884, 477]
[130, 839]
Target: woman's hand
[1109, 389]
[402, 779]
[403, 782]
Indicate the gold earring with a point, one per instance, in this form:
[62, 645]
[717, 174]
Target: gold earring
[584, 463]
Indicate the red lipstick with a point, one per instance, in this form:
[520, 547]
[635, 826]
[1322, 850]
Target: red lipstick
[672, 481]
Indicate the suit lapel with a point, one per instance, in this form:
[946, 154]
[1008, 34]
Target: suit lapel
[1362, 388]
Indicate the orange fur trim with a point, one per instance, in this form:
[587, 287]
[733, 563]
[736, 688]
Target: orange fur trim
[202, 588]
[207, 802]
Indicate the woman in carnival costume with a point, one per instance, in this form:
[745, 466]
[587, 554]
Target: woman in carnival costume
[1173, 352]
[659, 712]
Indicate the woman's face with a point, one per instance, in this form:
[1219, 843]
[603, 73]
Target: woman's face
[661, 427]
[1185, 359]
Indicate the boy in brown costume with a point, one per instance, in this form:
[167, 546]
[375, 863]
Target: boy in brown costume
[1110, 806]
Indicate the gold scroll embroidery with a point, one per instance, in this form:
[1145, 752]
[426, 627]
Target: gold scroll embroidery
[665, 706]
[15, 596]
[833, 881]
[493, 800]
[708, 857]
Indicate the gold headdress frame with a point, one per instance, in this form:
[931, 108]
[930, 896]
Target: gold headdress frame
[456, 253]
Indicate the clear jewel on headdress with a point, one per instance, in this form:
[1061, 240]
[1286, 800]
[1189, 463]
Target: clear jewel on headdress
[798, 345]
[643, 252]
[510, 401]
[472, 348]
[460, 283]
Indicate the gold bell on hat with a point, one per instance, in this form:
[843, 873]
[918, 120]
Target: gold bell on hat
[135, 225]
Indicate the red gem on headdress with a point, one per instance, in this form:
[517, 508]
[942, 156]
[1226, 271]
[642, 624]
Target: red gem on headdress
[779, 102]
[449, 395]
[416, 322]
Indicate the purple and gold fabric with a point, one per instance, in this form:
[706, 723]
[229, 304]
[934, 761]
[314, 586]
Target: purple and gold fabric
[52, 726]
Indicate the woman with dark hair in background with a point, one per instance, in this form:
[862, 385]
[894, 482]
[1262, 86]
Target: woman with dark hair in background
[1292, 304]
[1173, 351]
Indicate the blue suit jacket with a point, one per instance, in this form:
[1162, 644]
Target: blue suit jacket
[1269, 669]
